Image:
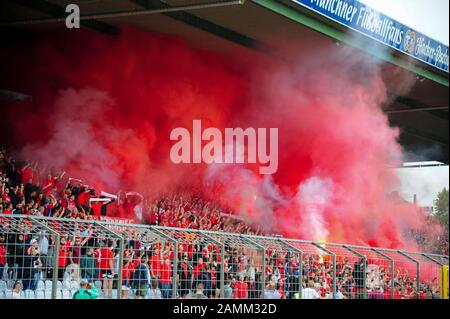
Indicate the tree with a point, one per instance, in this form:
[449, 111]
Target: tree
[441, 208]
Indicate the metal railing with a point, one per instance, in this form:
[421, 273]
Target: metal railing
[56, 258]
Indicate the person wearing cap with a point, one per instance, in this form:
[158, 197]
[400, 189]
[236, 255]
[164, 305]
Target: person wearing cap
[31, 266]
[86, 291]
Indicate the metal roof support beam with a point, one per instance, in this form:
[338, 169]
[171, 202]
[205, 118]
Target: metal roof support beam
[58, 14]
[200, 23]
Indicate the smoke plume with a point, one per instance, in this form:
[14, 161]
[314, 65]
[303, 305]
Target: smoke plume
[103, 108]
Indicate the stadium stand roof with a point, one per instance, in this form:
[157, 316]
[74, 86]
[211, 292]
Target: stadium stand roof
[266, 25]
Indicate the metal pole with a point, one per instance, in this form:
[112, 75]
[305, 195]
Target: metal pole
[128, 13]
[429, 256]
[55, 267]
[121, 248]
[432, 260]
[299, 251]
[417, 269]
[175, 270]
[364, 268]
[392, 269]
[263, 256]
[300, 279]
[263, 273]
[56, 255]
[222, 272]
[175, 258]
[120, 274]
[222, 263]
[333, 255]
[419, 109]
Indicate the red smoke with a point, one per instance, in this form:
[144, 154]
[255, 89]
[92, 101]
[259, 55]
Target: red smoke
[103, 108]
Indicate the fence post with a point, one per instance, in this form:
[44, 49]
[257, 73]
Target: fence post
[392, 270]
[55, 267]
[417, 268]
[175, 258]
[56, 254]
[55, 232]
[364, 268]
[222, 262]
[263, 271]
[334, 265]
[299, 251]
[122, 250]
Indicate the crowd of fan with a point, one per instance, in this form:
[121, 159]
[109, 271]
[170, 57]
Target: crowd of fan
[87, 260]
[147, 268]
[186, 210]
[437, 244]
[23, 191]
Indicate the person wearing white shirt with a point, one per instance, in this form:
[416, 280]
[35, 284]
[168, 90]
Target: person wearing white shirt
[271, 292]
[154, 292]
[17, 289]
[339, 295]
[310, 292]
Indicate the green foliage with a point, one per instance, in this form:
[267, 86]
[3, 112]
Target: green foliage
[441, 208]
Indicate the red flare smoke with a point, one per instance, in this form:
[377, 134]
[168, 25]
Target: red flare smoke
[103, 108]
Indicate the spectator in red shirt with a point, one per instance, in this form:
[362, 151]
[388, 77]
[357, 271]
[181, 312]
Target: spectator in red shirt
[154, 216]
[8, 209]
[48, 185]
[2, 255]
[107, 268]
[165, 279]
[27, 174]
[198, 268]
[155, 264]
[64, 247]
[127, 269]
[241, 289]
[5, 195]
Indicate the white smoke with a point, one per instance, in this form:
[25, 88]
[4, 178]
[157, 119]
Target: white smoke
[312, 198]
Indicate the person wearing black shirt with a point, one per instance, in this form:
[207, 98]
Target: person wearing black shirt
[359, 277]
[184, 276]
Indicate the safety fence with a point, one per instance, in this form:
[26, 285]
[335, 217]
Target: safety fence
[54, 258]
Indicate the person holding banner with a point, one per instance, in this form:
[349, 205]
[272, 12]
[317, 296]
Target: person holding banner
[130, 205]
[96, 206]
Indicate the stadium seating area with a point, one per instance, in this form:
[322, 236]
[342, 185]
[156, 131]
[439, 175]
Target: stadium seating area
[27, 189]
[147, 267]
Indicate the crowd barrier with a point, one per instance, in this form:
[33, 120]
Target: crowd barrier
[52, 258]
